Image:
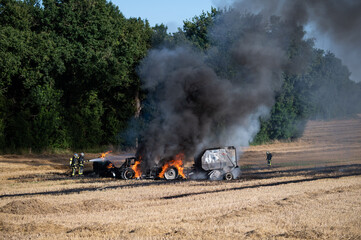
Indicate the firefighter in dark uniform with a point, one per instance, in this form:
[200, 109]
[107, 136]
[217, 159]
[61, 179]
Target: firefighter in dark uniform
[74, 163]
[269, 158]
[81, 163]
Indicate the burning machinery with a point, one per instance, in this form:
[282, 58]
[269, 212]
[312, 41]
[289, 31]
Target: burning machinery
[213, 164]
[170, 169]
[127, 170]
[106, 167]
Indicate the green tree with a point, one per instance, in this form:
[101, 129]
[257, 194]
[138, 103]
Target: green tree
[101, 50]
[26, 79]
[197, 29]
[160, 37]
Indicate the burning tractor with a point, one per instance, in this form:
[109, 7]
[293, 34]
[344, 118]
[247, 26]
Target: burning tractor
[128, 167]
[106, 167]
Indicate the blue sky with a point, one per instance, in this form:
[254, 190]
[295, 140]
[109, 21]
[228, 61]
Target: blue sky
[169, 12]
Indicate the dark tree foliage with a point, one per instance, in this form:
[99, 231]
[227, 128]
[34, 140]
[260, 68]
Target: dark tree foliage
[67, 73]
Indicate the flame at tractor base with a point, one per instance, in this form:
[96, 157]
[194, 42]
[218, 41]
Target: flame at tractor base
[136, 169]
[110, 165]
[173, 168]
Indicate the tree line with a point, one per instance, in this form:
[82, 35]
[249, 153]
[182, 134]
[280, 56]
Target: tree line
[68, 75]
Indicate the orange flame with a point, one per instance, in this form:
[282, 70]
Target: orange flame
[177, 162]
[136, 168]
[104, 154]
[110, 165]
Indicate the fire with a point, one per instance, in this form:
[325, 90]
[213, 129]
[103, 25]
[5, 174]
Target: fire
[104, 154]
[136, 168]
[110, 166]
[177, 162]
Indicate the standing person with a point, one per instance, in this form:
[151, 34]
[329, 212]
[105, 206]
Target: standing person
[73, 164]
[81, 163]
[269, 158]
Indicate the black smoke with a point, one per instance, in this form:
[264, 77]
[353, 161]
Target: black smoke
[199, 104]
[216, 97]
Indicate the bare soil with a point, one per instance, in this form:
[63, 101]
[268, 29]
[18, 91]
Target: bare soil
[312, 191]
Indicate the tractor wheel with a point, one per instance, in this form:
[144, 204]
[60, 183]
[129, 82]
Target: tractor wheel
[128, 174]
[228, 176]
[171, 173]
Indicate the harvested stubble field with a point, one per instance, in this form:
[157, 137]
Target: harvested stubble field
[312, 191]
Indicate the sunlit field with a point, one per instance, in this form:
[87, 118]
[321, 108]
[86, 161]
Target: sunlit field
[312, 191]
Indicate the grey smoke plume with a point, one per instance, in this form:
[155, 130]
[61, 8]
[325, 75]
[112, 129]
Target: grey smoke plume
[216, 98]
[198, 108]
[338, 22]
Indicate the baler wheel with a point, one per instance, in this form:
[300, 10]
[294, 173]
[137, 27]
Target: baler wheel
[228, 176]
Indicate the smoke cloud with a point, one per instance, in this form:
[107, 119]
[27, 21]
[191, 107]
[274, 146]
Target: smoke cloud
[198, 107]
[215, 98]
[336, 24]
